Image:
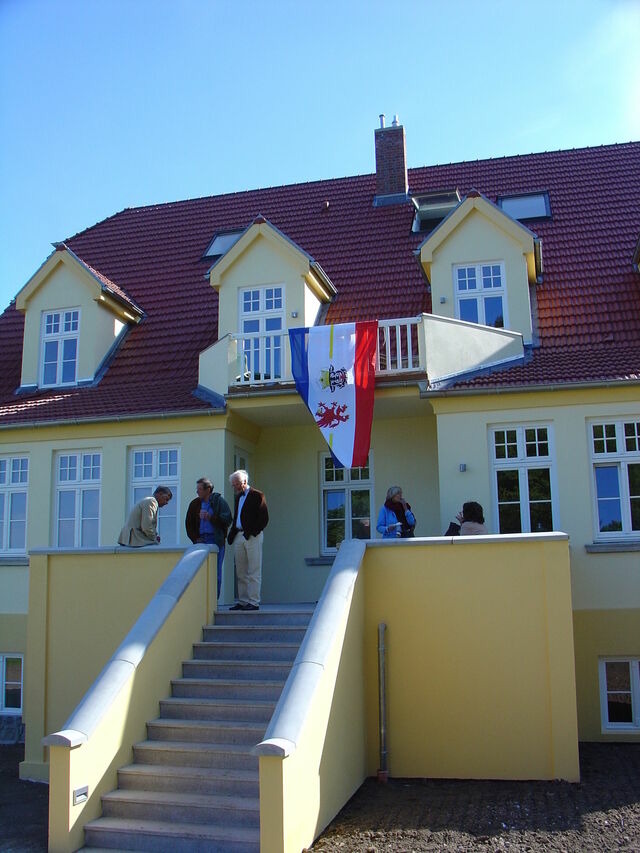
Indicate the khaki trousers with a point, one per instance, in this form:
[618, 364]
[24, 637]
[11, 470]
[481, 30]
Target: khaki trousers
[248, 558]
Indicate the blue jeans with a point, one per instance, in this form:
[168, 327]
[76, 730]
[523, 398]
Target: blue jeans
[207, 538]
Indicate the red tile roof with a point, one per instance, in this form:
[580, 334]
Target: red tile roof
[588, 304]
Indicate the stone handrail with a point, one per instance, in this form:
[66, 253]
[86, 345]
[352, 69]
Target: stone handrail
[96, 702]
[296, 699]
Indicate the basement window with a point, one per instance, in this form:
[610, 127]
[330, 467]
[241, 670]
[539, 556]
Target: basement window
[619, 693]
[526, 206]
[222, 242]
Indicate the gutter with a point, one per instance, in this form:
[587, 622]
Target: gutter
[425, 393]
[146, 416]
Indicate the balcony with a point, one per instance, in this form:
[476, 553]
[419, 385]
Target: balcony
[426, 346]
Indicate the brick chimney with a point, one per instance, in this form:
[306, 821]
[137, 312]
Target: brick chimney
[391, 164]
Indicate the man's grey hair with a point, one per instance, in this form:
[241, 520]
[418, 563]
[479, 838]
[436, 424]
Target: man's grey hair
[163, 490]
[242, 474]
[392, 491]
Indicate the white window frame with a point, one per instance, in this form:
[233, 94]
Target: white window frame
[524, 206]
[3, 682]
[79, 478]
[620, 445]
[262, 346]
[348, 481]
[67, 329]
[158, 461]
[634, 679]
[522, 463]
[480, 292]
[14, 482]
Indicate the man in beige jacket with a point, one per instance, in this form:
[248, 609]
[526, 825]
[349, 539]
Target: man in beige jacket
[142, 525]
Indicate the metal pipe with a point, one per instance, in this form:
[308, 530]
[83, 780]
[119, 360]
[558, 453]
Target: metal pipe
[383, 773]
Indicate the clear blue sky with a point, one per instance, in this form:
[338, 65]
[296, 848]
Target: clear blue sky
[106, 104]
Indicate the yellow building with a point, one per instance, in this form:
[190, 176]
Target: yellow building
[153, 348]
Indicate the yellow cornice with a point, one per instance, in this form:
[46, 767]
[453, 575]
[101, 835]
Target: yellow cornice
[299, 259]
[517, 232]
[102, 296]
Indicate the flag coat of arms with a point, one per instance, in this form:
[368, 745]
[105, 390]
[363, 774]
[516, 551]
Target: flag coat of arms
[334, 371]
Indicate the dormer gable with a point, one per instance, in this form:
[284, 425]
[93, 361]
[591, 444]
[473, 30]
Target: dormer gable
[261, 259]
[481, 264]
[73, 317]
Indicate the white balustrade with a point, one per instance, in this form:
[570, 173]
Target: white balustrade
[265, 358]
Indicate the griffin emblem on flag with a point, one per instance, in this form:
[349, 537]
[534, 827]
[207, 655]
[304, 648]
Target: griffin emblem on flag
[344, 417]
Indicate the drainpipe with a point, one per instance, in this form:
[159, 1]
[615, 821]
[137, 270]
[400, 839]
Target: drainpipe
[383, 773]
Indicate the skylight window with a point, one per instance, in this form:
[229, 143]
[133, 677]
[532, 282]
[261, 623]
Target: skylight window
[526, 206]
[222, 242]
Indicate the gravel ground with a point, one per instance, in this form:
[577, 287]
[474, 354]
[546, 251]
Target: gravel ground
[24, 807]
[601, 813]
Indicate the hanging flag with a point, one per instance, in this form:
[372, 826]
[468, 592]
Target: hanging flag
[334, 372]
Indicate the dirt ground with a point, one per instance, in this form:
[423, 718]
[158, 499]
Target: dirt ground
[601, 813]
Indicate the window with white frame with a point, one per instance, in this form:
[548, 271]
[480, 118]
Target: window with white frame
[523, 478]
[158, 466]
[619, 693]
[78, 493]
[261, 327]
[480, 293]
[347, 499]
[14, 481]
[59, 347]
[615, 457]
[11, 667]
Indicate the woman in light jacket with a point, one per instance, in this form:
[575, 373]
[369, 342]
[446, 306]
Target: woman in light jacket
[395, 519]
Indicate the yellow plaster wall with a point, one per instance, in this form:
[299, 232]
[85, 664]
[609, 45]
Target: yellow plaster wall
[13, 633]
[599, 581]
[14, 590]
[67, 287]
[601, 633]
[81, 606]
[480, 668]
[202, 452]
[476, 240]
[96, 762]
[292, 457]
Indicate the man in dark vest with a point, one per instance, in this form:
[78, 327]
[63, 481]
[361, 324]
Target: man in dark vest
[207, 520]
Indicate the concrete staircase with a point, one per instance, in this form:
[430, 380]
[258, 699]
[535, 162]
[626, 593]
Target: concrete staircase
[193, 784]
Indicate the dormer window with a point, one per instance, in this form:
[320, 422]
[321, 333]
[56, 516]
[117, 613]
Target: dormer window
[480, 293]
[526, 205]
[222, 242]
[59, 349]
[431, 208]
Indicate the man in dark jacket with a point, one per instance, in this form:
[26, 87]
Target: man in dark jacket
[250, 517]
[207, 520]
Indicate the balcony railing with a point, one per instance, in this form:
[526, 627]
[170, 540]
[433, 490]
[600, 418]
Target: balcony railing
[266, 358]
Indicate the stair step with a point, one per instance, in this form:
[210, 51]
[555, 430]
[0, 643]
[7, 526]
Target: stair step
[242, 670]
[226, 688]
[206, 731]
[182, 807]
[187, 753]
[239, 651]
[199, 780]
[254, 633]
[188, 708]
[264, 617]
[161, 836]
